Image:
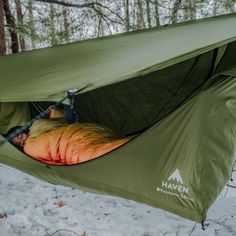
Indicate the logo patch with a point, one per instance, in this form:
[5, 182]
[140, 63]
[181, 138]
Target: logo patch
[175, 186]
[176, 176]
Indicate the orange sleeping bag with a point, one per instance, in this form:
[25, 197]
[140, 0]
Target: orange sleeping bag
[72, 144]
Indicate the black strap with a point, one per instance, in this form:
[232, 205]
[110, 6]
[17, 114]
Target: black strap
[70, 113]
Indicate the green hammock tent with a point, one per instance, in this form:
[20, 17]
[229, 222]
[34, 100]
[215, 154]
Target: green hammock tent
[176, 84]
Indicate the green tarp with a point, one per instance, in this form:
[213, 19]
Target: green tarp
[175, 83]
[13, 114]
[46, 74]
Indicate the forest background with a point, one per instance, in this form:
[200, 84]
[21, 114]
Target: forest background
[31, 24]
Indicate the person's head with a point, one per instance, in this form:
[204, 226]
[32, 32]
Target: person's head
[20, 139]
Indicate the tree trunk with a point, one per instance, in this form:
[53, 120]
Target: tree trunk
[11, 24]
[214, 8]
[100, 31]
[157, 18]
[100, 26]
[148, 14]
[126, 8]
[32, 27]
[66, 24]
[139, 14]
[175, 10]
[133, 10]
[21, 23]
[186, 4]
[193, 7]
[2, 33]
[52, 24]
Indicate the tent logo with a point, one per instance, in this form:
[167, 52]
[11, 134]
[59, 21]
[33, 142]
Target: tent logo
[176, 176]
[174, 185]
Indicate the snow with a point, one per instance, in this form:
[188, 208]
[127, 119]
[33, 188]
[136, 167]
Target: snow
[29, 207]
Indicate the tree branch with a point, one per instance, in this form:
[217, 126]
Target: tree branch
[63, 3]
[92, 5]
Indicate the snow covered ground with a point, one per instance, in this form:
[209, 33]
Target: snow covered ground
[29, 206]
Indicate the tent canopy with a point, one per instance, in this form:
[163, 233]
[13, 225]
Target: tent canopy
[178, 83]
[46, 74]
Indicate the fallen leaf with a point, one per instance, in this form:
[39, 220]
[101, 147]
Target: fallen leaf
[59, 204]
[3, 216]
[84, 234]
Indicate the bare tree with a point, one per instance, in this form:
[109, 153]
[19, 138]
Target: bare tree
[193, 7]
[32, 26]
[175, 10]
[157, 18]
[133, 15]
[11, 26]
[52, 25]
[20, 23]
[100, 31]
[148, 14]
[95, 6]
[66, 24]
[104, 16]
[127, 20]
[2, 33]
[215, 7]
[139, 14]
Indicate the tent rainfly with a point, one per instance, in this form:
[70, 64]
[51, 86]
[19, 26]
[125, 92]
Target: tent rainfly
[176, 84]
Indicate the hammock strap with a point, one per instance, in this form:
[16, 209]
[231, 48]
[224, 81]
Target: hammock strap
[71, 116]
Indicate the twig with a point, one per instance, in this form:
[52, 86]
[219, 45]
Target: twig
[59, 230]
[194, 227]
[225, 226]
[63, 3]
[231, 186]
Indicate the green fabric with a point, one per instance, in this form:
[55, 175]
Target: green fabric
[145, 99]
[46, 74]
[227, 65]
[198, 140]
[13, 114]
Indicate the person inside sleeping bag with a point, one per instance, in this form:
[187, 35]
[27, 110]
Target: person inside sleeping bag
[53, 141]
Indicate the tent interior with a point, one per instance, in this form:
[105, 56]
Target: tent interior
[134, 105]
